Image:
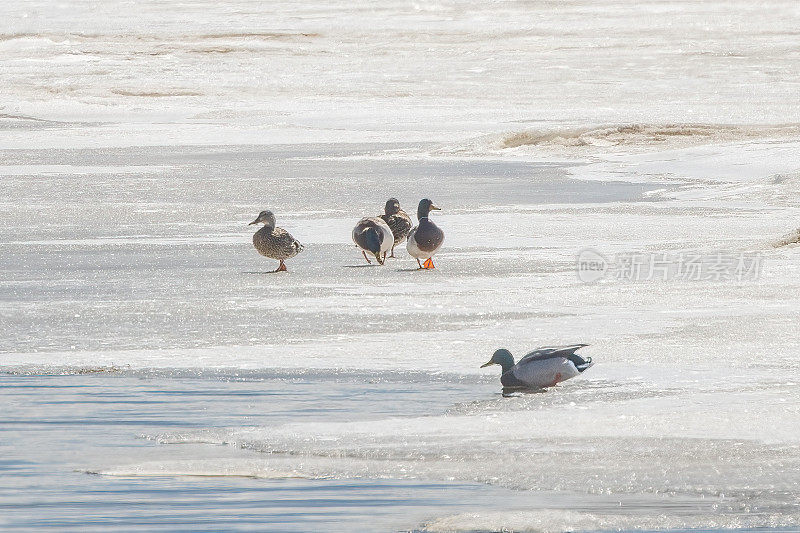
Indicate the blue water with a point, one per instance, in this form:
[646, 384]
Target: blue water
[56, 428]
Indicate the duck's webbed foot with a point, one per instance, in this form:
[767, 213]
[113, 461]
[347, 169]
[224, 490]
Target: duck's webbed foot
[365, 256]
[281, 267]
[428, 264]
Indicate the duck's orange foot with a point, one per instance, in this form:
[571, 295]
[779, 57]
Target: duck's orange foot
[428, 264]
[281, 268]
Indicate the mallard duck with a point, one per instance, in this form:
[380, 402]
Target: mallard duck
[543, 367]
[275, 243]
[373, 235]
[426, 238]
[397, 220]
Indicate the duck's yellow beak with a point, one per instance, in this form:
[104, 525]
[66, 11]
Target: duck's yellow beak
[434, 208]
[490, 363]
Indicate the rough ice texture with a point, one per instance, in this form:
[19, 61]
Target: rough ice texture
[540, 131]
[288, 72]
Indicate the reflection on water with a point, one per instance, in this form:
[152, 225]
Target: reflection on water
[377, 453]
[56, 428]
[514, 391]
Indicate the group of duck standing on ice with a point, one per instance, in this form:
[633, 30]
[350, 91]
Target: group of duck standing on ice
[378, 236]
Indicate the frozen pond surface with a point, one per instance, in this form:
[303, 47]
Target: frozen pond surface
[59, 428]
[143, 339]
[200, 387]
[56, 428]
[159, 256]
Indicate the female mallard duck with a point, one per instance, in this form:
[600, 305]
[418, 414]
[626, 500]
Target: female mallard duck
[275, 243]
[426, 238]
[373, 235]
[397, 220]
[543, 367]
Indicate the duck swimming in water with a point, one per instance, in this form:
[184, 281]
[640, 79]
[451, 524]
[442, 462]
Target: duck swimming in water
[543, 367]
[373, 235]
[426, 238]
[397, 220]
[274, 242]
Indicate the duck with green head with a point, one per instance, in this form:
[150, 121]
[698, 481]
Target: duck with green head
[426, 238]
[543, 367]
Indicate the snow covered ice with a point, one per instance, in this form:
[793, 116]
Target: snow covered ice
[134, 154]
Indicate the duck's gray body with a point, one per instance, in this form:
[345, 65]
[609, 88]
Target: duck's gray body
[543, 367]
[373, 235]
[397, 220]
[425, 239]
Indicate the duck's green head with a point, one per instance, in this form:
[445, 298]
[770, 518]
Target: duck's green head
[501, 357]
[424, 208]
[266, 217]
[392, 206]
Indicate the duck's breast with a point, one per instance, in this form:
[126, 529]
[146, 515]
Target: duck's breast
[424, 240]
[545, 372]
[429, 237]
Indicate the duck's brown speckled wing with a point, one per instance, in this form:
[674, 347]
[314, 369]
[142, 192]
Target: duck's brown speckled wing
[400, 224]
[276, 243]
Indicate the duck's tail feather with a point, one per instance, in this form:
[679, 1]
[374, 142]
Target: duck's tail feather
[583, 364]
[547, 352]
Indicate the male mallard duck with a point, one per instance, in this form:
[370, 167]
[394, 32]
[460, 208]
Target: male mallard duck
[543, 367]
[373, 235]
[397, 220]
[426, 238]
[275, 243]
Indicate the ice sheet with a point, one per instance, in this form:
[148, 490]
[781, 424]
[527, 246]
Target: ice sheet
[132, 156]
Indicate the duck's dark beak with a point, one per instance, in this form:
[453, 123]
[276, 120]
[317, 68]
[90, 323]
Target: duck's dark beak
[490, 363]
[253, 222]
